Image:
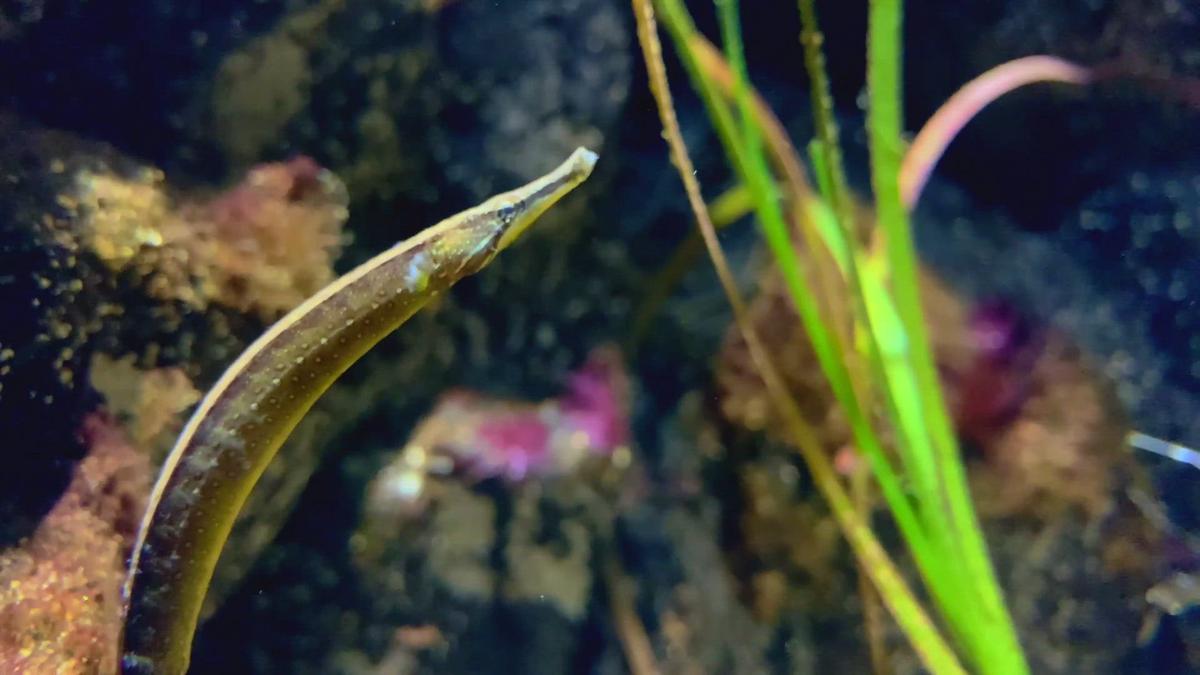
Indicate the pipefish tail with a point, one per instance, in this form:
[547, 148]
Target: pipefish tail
[257, 402]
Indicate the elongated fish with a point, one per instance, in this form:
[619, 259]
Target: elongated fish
[257, 402]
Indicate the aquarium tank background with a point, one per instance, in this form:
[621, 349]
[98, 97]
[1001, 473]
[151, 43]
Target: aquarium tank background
[594, 336]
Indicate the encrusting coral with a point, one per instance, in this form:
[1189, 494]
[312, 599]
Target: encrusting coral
[60, 590]
[261, 247]
[120, 283]
[1020, 395]
[148, 403]
[743, 397]
[103, 254]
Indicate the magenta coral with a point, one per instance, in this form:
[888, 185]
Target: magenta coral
[514, 444]
[486, 437]
[596, 401]
[992, 390]
[516, 439]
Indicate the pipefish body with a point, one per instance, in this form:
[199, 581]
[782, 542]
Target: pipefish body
[240, 424]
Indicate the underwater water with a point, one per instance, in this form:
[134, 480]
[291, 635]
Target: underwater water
[569, 458]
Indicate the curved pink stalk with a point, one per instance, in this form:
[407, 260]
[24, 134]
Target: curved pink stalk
[960, 108]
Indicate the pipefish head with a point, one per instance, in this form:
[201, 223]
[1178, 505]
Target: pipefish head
[517, 209]
[471, 239]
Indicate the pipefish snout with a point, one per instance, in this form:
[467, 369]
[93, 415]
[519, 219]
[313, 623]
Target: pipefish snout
[254, 406]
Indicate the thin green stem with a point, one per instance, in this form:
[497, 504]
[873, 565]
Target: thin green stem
[933, 527]
[775, 231]
[828, 157]
[933, 651]
[931, 560]
[884, 342]
[828, 145]
[994, 643]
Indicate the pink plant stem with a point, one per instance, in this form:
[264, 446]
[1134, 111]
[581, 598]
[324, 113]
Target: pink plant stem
[953, 115]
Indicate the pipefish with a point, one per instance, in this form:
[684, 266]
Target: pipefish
[240, 424]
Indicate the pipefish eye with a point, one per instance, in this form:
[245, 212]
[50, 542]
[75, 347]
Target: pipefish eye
[506, 212]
